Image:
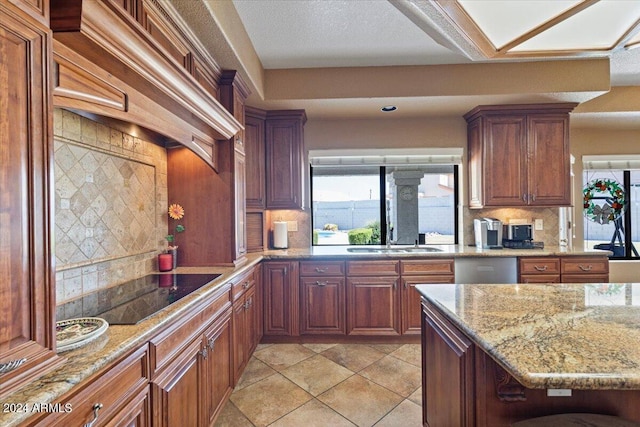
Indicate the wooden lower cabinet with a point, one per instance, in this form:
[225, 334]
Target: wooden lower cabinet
[177, 392]
[280, 290]
[322, 305]
[411, 308]
[192, 388]
[118, 396]
[447, 373]
[244, 325]
[565, 269]
[218, 367]
[416, 272]
[373, 305]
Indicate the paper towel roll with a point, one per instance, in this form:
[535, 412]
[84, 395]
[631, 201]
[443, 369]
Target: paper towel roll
[280, 234]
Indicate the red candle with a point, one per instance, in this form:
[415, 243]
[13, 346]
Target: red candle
[166, 280]
[165, 262]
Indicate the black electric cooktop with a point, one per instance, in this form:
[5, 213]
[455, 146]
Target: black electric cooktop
[135, 300]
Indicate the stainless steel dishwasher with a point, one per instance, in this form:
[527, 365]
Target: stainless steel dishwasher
[486, 270]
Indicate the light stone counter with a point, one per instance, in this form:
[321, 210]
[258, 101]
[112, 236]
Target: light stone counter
[117, 341]
[569, 336]
[442, 251]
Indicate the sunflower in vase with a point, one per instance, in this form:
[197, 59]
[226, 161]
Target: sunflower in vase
[176, 212]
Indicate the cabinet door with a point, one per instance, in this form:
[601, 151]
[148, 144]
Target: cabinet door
[322, 305]
[240, 334]
[218, 366]
[284, 148]
[26, 275]
[411, 301]
[549, 174]
[136, 413]
[280, 295]
[178, 392]
[447, 369]
[254, 145]
[373, 306]
[505, 161]
[240, 205]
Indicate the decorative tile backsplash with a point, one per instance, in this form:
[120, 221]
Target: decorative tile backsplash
[110, 202]
[550, 217]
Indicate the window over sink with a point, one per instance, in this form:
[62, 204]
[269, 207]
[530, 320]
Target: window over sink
[384, 196]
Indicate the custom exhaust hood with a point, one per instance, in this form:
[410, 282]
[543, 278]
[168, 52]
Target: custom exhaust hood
[107, 63]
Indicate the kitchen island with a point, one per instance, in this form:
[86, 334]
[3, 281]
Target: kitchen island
[496, 354]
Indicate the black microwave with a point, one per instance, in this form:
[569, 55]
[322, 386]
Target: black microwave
[517, 231]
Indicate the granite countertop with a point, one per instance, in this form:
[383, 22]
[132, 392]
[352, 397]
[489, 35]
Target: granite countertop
[82, 363]
[117, 341]
[570, 336]
[398, 251]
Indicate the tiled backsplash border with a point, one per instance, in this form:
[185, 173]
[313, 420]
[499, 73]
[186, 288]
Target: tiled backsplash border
[77, 279]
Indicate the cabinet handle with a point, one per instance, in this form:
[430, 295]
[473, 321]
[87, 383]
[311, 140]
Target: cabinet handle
[543, 268]
[11, 365]
[587, 268]
[524, 198]
[211, 343]
[96, 408]
[321, 270]
[204, 353]
[319, 283]
[245, 285]
[533, 197]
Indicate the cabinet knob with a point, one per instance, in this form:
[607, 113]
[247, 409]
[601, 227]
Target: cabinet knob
[540, 268]
[245, 285]
[585, 267]
[96, 408]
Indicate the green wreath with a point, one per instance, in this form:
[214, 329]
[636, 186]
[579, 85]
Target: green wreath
[613, 197]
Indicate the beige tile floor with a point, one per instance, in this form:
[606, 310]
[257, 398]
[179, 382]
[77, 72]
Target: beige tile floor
[287, 385]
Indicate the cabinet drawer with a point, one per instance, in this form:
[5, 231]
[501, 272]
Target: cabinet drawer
[585, 278]
[427, 266]
[113, 389]
[168, 344]
[585, 265]
[242, 283]
[539, 265]
[373, 268]
[539, 278]
[322, 268]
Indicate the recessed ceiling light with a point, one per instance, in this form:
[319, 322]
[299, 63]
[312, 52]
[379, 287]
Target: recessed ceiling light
[388, 108]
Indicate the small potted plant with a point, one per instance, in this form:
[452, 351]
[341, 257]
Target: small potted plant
[176, 212]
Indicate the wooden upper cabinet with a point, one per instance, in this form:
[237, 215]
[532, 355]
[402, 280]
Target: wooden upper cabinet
[285, 159]
[519, 155]
[27, 319]
[254, 128]
[549, 160]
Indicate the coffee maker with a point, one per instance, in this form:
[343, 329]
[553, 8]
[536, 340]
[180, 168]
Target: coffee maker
[488, 233]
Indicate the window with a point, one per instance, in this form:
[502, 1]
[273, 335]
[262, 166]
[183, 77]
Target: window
[372, 204]
[622, 236]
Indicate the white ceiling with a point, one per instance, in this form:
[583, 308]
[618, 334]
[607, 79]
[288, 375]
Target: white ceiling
[332, 34]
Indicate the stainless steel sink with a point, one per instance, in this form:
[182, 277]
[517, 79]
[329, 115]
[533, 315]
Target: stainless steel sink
[404, 250]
